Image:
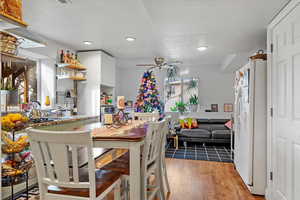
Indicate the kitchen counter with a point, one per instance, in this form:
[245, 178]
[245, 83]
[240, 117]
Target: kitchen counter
[62, 120]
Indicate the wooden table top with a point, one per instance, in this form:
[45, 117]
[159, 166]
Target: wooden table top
[134, 131]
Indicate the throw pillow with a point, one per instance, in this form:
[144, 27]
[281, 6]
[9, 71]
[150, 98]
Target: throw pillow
[229, 124]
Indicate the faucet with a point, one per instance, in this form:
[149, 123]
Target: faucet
[58, 111]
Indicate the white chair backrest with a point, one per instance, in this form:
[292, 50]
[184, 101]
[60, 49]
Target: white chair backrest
[51, 154]
[150, 117]
[174, 118]
[151, 151]
[168, 120]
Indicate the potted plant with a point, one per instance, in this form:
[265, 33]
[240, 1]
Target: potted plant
[180, 106]
[193, 103]
[192, 84]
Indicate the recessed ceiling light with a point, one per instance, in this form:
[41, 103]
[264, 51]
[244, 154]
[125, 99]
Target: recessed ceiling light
[87, 42]
[65, 1]
[130, 39]
[202, 48]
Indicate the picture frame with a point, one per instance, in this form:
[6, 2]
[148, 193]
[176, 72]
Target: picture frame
[214, 108]
[228, 107]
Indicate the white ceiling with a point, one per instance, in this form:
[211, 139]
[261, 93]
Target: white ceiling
[170, 28]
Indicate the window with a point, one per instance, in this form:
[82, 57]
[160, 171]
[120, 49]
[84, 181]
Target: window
[184, 90]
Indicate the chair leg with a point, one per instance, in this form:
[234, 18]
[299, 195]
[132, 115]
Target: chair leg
[185, 144]
[126, 188]
[165, 175]
[117, 191]
[42, 189]
[160, 183]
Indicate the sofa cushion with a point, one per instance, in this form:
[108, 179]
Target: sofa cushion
[204, 126]
[203, 121]
[195, 133]
[221, 134]
[218, 121]
[218, 127]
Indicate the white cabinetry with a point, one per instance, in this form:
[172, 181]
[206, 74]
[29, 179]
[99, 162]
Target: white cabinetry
[108, 70]
[100, 70]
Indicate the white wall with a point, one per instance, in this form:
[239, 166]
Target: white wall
[47, 81]
[216, 86]
[129, 79]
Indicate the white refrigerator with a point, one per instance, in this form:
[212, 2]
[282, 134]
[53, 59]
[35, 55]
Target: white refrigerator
[250, 125]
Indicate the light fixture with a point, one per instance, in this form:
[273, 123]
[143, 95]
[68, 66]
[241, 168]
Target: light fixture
[64, 1]
[87, 43]
[202, 48]
[130, 39]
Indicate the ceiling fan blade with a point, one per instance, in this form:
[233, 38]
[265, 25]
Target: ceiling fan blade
[146, 65]
[174, 62]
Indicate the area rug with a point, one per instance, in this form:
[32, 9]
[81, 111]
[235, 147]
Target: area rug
[33, 195]
[200, 152]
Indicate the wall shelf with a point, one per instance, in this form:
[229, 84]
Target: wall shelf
[8, 22]
[77, 78]
[72, 66]
[74, 78]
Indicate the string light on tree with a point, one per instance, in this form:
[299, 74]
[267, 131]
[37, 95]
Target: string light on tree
[148, 97]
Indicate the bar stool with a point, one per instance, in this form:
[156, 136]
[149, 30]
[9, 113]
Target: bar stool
[151, 163]
[57, 180]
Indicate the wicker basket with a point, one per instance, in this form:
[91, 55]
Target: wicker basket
[259, 55]
[8, 43]
[3, 6]
[12, 8]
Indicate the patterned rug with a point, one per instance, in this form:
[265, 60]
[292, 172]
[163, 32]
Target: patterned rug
[200, 152]
[33, 194]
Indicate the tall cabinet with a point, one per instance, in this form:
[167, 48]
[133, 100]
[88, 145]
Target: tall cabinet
[101, 70]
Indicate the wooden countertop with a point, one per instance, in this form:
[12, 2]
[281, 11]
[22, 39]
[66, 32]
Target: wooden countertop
[62, 120]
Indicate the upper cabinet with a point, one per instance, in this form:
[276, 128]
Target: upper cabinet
[108, 70]
[100, 72]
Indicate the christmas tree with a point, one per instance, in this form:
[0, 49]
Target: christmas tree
[148, 97]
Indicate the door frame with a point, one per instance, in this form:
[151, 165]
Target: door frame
[289, 7]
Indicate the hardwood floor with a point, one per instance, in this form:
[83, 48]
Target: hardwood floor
[203, 180]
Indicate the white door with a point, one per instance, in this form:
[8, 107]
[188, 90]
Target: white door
[286, 102]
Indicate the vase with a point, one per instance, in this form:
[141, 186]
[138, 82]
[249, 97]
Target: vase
[194, 107]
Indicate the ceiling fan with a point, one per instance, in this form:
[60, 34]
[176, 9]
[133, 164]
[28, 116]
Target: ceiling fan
[159, 62]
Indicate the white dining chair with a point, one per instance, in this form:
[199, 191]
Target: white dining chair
[150, 164]
[58, 178]
[151, 159]
[163, 168]
[151, 117]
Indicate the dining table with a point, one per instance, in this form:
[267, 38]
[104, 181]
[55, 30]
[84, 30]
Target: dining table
[113, 142]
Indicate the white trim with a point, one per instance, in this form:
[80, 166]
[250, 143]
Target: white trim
[269, 117]
[283, 13]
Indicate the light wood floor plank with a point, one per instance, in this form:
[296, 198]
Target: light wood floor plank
[203, 180]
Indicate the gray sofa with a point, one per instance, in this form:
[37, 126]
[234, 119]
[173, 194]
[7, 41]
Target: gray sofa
[209, 131]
